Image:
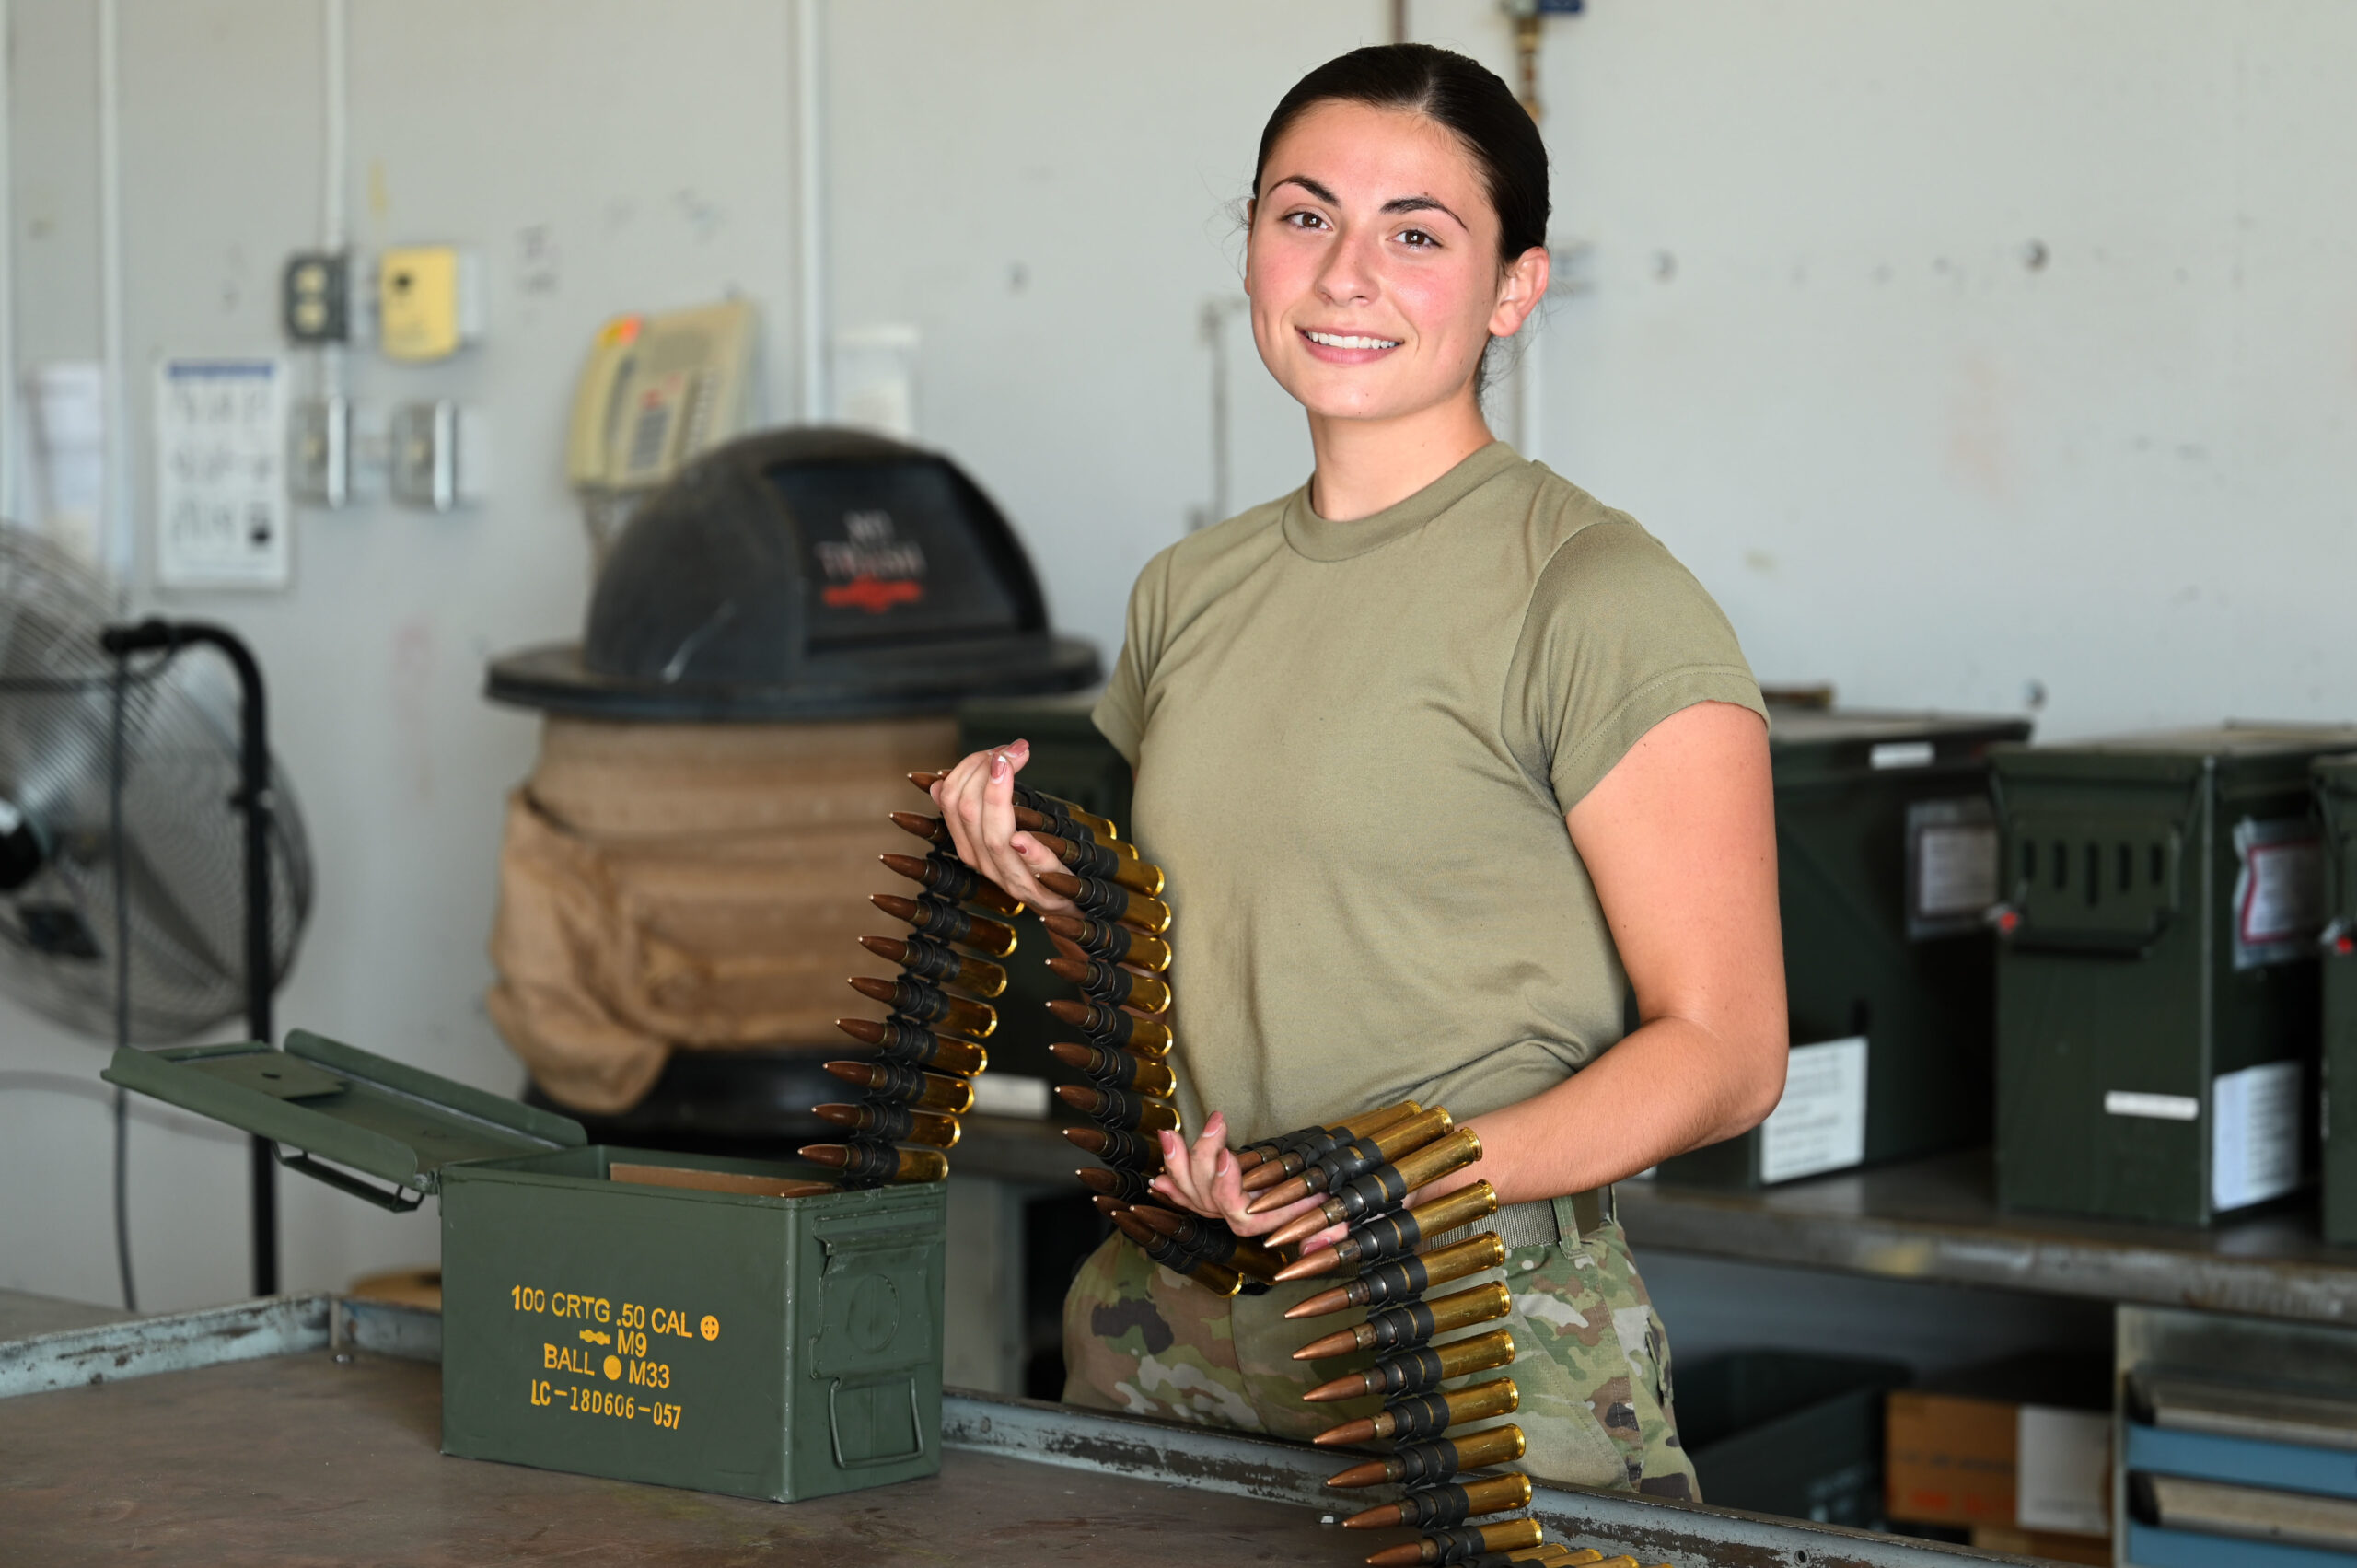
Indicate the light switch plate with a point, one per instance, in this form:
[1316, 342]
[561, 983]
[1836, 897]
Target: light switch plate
[315, 297]
[319, 451]
[423, 465]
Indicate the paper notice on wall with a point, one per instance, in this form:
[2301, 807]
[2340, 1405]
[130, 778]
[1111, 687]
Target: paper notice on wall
[2061, 1469]
[2279, 890]
[1010, 1094]
[2254, 1134]
[221, 512]
[1820, 1124]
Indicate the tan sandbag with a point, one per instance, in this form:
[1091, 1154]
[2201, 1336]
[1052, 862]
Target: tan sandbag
[692, 887]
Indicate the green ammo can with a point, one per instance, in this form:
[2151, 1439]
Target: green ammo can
[1886, 865]
[717, 1324]
[2157, 997]
[2336, 790]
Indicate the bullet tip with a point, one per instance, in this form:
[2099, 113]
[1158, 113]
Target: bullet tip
[866, 1030]
[833, 1155]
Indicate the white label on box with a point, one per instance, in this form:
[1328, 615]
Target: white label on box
[1900, 754]
[2160, 1108]
[2061, 1469]
[2254, 1134]
[1820, 1124]
[2278, 891]
[221, 514]
[1010, 1094]
[1956, 869]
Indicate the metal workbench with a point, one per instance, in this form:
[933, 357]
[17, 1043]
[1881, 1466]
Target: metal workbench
[301, 1430]
[1935, 1220]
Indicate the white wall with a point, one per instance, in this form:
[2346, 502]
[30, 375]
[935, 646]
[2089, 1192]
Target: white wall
[1814, 355]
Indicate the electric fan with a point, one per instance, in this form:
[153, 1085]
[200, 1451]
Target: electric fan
[153, 875]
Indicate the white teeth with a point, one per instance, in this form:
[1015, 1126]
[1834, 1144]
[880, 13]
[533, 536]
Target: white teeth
[1328, 339]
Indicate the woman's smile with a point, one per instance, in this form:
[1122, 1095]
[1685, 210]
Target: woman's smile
[1346, 348]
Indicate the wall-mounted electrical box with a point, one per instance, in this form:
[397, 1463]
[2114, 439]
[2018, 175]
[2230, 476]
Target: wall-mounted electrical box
[319, 451]
[315, 297]
[438, 455]
[428, 302]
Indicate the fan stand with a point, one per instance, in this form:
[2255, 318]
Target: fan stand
[169, 637]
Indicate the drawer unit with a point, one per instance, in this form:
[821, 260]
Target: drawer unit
[723, 1325]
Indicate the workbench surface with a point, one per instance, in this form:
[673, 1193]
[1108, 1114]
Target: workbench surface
[312, 1460]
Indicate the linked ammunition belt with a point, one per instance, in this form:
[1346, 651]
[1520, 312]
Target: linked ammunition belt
[1450, 1452]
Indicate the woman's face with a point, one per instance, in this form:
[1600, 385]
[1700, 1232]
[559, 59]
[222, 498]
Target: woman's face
[1372, 263]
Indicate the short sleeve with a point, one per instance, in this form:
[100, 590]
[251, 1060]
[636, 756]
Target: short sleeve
[1618, 636]
[1120, 713]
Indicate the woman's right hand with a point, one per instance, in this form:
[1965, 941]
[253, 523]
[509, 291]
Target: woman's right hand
[976, 799]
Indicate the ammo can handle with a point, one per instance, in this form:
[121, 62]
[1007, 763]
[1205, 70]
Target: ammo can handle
[393, 1199]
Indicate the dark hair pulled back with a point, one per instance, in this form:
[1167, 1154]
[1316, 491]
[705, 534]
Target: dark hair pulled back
[1458, 92]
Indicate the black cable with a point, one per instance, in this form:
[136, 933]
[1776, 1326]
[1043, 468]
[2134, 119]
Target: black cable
[121, 986]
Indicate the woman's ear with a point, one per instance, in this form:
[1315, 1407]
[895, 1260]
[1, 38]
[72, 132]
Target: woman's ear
[1520, 288]
[1251, 206]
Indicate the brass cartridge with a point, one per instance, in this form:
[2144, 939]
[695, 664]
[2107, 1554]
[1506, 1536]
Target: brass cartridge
[1212, 1240]
[893, 1123]
[1114, 1108]
[912, 1045]
[954, 879]
[1420, 1464]
[932, 830]
[944, 921]
[1442, 1507]
[1216, 1277]
[934, 962]
[1118, 1069]
[1113, 985]
[1111, 940]
[1427, 1415]
[1347, 1162]
[1122, 1185]
[1295, 1150]
[1089, 858]
[1449, 1546]
[925, 1004]
[1404, 1277]
[911, 1086]
[1421, 1370]
[1389, 1234]
[1385, 1186]
[1111, 1027]
[1413, 1322]
[1130, 1151]
[866, 1163]
[1107, 901]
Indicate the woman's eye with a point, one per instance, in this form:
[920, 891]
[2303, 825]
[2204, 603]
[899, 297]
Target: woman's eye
[1418, 239]
[1305, 220]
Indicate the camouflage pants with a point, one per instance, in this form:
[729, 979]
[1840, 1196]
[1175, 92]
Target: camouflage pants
[1591, 1362]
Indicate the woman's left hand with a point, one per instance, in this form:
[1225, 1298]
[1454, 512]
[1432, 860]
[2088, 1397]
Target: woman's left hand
[1204, 1179]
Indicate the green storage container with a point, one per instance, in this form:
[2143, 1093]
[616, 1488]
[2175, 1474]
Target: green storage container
[1788, 1433]
[600, 1314]
[1886, 865]
[1070, 759]
[2335, 789]
[2157, 994]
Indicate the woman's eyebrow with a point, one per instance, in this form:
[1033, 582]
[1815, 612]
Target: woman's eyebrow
[1421, 204]
[1311, 186]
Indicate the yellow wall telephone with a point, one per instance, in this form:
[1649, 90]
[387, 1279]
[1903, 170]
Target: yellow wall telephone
[658, 390]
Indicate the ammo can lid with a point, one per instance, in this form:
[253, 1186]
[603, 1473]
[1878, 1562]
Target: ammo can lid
[344, 1105]
[2266, 746]
[799, 574]
[1835, 741]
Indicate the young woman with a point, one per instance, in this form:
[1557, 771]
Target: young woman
[1445, 762]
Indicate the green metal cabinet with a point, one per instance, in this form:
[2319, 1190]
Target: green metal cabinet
[2157, 993]
[768, 1346]
[2336, 791]
[1886, 849]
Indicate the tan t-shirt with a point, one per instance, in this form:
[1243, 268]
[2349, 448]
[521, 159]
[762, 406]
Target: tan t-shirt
[1356, 744]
